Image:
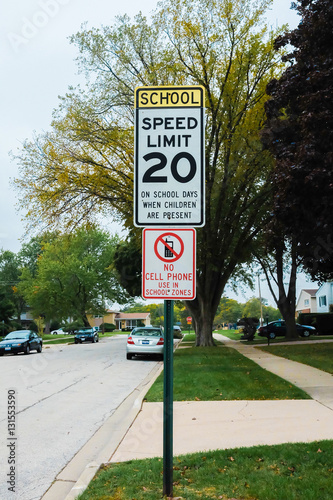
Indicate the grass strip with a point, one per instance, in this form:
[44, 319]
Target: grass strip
[288, 471]
[317, 355]
[221, 374]
[236, 335]
[67, 340]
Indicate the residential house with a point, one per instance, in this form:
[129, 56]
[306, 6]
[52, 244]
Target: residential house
[307, 302]
[130, 320]
[26, 318]
[121, 320]
[324, 297]
[97, 320]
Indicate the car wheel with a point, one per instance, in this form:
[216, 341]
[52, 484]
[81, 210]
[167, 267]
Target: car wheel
[129, 356]
[93, 340]
[39, 348]
[271, 335]
[306, 333]
[27, 350]
[76, 341]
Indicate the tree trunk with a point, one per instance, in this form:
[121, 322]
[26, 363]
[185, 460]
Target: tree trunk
[85, 320]
[286, 302]
[203, 308]
[202, 320]
[290, 326]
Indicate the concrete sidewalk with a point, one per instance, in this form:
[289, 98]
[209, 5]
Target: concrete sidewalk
[134, 433]
[318, 384]
[202, 426]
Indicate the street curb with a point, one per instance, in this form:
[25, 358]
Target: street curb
[72, 480]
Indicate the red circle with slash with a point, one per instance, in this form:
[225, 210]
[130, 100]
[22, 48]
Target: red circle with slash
[176, 255]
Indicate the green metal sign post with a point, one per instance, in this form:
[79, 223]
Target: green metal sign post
[169, 243]
[168, 400]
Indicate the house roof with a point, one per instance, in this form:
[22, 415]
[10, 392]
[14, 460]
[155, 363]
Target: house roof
[132, 315]
[310, 291]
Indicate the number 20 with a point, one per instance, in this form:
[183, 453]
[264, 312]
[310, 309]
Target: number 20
[149, 177]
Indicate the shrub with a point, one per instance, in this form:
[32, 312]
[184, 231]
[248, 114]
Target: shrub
[33, 326]
[108, 327]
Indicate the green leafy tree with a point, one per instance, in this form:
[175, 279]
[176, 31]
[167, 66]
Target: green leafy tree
[253, 308]
[156, 314]
[84, 166]
[228, 311]
[32, 250]
[6, 313]
[10, 270]
[299, 133]
[74, 277]
[127, 263]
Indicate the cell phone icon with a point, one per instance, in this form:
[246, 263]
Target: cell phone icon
[167, 251]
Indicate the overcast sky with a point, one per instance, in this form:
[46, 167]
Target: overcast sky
[37, 65]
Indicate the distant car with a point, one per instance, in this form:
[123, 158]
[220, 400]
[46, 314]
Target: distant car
[177, 332]
[86, 335]
[21, 341]
[145, 340]
[278, 329]
[59, 331]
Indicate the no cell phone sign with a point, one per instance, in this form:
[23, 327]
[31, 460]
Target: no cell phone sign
[168, 266]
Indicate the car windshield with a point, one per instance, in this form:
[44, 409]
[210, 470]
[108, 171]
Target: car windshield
[85, 332]
[17, 335]
[147, 333]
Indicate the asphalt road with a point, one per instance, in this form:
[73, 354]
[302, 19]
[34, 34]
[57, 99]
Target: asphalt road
[62, 396]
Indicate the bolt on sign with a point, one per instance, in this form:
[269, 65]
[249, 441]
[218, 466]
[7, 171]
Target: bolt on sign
[168, 264]
[169, 173]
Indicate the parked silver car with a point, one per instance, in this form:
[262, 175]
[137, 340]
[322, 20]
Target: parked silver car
[145, 340]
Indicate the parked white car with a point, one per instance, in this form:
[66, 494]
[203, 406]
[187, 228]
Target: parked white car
[60, 331]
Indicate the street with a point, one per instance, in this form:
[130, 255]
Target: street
[61, 397]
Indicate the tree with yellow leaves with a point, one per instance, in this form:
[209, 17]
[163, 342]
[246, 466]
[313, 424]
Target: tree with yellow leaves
[83, 167]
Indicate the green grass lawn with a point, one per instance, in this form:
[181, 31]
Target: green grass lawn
[219, 374]
[69, 339]
[282, 472]
[287, 471]
[235, 335]
[317, 355]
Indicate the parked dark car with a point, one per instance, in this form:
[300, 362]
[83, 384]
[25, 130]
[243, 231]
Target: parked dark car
[278, 329]
[21, 341]
[86, 335]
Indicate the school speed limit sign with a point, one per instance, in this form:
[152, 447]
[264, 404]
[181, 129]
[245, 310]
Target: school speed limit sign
[169, 174]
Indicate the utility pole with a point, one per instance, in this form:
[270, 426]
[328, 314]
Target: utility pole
[261, 317]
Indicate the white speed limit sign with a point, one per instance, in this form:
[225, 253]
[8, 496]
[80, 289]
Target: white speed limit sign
[169, 157]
